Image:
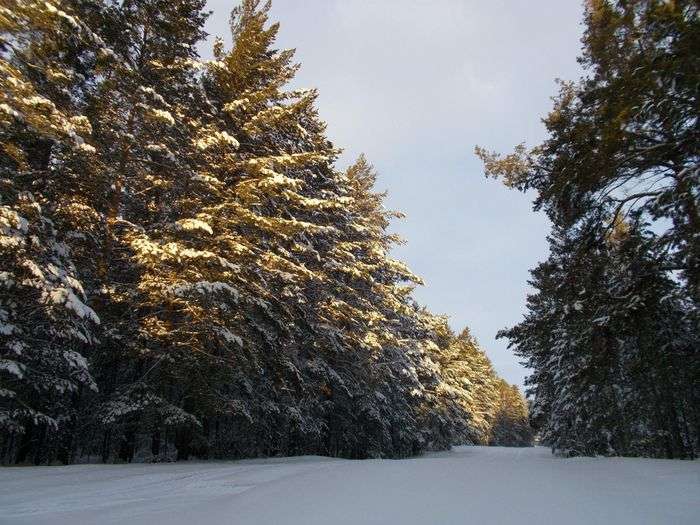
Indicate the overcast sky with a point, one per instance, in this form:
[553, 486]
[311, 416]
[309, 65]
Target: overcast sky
[415, 85]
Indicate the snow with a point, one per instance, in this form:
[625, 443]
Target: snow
[62, 14]
[216, 137]
[229, 336]
[194, 225]
[87, 148]
[10, 111]
[162, 115]
[205, 288]
[153, 93]
[67, 298]
[479, 485]
[12, 367]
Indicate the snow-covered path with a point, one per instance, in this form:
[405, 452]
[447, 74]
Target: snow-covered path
[468, 485]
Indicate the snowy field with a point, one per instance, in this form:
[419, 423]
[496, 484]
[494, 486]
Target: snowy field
[469, 485]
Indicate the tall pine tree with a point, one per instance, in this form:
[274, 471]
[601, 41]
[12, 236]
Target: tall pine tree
[610, 331]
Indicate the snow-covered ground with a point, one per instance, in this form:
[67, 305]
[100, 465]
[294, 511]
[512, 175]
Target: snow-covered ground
[469, 485]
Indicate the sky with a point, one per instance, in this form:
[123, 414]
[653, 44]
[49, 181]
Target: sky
[415, 85]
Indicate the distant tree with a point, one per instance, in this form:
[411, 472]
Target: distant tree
[469, 376]
[511, 427]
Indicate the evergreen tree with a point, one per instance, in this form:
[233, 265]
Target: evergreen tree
[46, 323]
[382, 329]
[624, 139]
[139, 113]
[609, 332]
[510, 422]
[612, 352]
[468, 375]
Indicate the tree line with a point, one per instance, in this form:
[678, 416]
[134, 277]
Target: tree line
[185, 271]
[612, 330]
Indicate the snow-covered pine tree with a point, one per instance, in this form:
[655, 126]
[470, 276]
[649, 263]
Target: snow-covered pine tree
[270, 185]
[611, 349]
[510, 427]
[445, 418]
[621, 152]
[379, 332]
[468, 376]
[659, 350]
[289, 219]
[144, 120]
[46, 323]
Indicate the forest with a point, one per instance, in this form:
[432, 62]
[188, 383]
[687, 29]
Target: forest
[186, 272]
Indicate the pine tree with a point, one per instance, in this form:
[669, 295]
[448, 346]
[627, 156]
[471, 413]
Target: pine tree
[129, 168]
[511, 427]
[379, 328]
[626, 136]
[611, 350]
[46, 323]
[274, 209]
[617, 176]
[468, 375]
